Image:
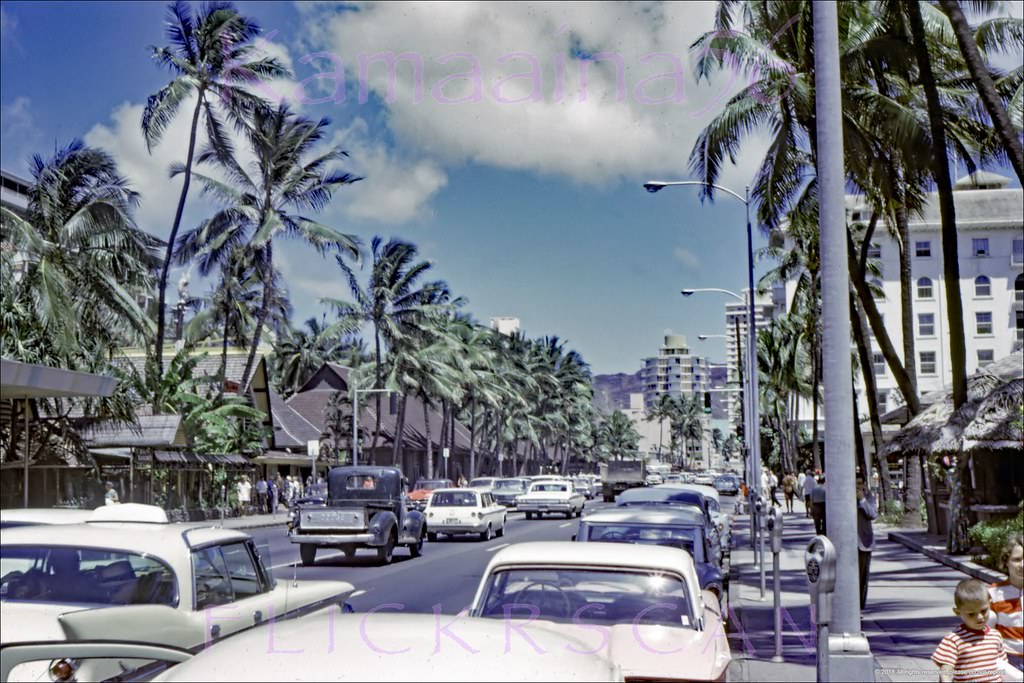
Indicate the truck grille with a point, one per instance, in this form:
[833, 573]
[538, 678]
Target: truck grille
[331, 519]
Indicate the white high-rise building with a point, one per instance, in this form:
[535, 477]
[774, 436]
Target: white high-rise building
[990, 227]
[507, 326]
[674, 371]
[736, 317]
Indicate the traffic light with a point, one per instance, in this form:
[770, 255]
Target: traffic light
[707, 401]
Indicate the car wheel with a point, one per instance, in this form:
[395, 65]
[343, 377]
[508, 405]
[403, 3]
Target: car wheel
[529, 515]
[386, 552]
[486, 534]
[431, 536]
[307, 553]
[416, 549]
[501, 529]
[349, 551]
[570, 513]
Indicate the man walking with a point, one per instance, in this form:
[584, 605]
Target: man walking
[818, 506]
[244, 489]
[867, 512]
[261, 494]
[773, 488]
[789, 490]
[807, 486]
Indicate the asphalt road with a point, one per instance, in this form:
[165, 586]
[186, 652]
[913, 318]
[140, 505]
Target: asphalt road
[443, 579]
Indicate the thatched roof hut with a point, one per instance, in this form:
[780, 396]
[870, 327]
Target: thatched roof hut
[993, 395]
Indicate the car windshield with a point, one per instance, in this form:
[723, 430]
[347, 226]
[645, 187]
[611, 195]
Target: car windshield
[509, 485]
[453, 499]
[549, 486]
[713, 505]
[673, 537]
[581, 482]
[481, 482]
[582, 596]
[84, 575]
[432, 484]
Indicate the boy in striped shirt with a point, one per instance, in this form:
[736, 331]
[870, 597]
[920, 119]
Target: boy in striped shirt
[973, 651]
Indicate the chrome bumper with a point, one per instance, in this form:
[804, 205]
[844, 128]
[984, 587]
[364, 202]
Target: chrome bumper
[548, 507]
[336, 539]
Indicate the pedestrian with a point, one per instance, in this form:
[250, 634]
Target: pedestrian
[867, 512]
[279, 486]
[818, 506]
[972, 651]
[807, 487]
[800, 482]
[789, 485]
[261, 493]
[244, 489]
[271, 497]
[110, 497]
[1006, 616]
[773, 488]
[763, 491]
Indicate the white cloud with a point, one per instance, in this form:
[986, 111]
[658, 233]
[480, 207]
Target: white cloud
[687, 258]
[17, 121]
[591, 132]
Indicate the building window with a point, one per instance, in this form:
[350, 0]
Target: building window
[877, 290]
[979, 247]
[923, 249]
[984, 321]
[1018, 252]
[927, 362]
[883, 400]
[1020, 325]
[878, 360]
[1018, 289]
[924, 288]
[982, 286]
[874, 251]
[926, 324]
[985, 356]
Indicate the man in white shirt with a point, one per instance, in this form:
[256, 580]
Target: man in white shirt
[244, 494]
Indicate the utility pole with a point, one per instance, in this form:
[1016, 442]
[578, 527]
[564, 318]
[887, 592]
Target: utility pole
[848, 653]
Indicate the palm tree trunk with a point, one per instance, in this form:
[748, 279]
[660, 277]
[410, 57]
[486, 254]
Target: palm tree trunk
[947, 211]
[472, 439]
[223, 358]
[398, 447]
[161, 323]
[815, 390]
[983, 83]
[261, 318]
[859, 323]
[906, 294]
[378, 384]
[430, 445]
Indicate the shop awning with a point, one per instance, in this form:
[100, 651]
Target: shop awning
[282, 458]
[25, 380]
[185, 458]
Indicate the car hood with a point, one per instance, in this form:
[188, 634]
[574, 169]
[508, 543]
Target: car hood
[546, 495]
[420, 494]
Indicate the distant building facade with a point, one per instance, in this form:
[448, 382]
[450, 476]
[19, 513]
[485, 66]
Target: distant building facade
[737, 315]
[508, 326]
[674, 371]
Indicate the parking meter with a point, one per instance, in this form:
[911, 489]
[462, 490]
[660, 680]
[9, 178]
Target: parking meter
[820, 563]
[775, 530]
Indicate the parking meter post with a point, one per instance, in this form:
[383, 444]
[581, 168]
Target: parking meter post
[777, 581]
[764, 520]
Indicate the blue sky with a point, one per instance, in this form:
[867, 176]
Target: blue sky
[532, 209]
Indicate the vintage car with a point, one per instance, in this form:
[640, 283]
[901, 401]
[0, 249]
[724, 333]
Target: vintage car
[643, 609]
[31, 516]
[551, 496]
[417, 498]
[506, 491]
[721, 518]
[727, 484]
[674, 495]
[653, 479]
[672, 527]
[482, 483]
[365, 508]
[212, 579]
[585, 486]
[377, 646]
[454, 512]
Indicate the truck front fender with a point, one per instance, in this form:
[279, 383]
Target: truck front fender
[381, 525]
[413, 524]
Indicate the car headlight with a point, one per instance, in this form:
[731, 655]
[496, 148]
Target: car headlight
[63, 669]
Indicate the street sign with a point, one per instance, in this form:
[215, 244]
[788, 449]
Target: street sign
[445, 454]
[313, 448]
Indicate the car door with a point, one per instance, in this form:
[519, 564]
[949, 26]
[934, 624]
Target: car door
[494, 512]
[231, 588]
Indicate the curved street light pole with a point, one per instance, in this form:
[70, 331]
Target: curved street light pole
[753, 432]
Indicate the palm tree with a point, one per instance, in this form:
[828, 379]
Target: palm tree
[210, 56]
[301, 353]
[261, 199]
[82, 259]
[661, 410]
[617, 437]
[393, 302]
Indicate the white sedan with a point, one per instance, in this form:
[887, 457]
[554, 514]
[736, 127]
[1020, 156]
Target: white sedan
[212, 579]
[551, 496]
[643, 609]
[464, 511]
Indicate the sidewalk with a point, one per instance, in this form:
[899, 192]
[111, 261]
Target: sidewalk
[909, 608]
[249, 521]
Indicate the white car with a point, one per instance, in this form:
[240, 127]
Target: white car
[653, 479]
[643, 609]
[464, 511]
[551, 496]
[377, 646]
[129, 554]
[33, 516]
[483, 483]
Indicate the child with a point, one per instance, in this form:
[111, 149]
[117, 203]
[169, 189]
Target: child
[1006, 616]
[972, 651]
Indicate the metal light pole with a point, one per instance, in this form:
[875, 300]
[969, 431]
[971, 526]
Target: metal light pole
[849, 656]
[355, 419]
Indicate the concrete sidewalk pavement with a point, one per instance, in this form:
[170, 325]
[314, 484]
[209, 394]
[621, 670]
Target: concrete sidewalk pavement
[909, 608]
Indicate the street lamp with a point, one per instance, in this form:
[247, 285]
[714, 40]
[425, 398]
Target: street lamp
[355, 419]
